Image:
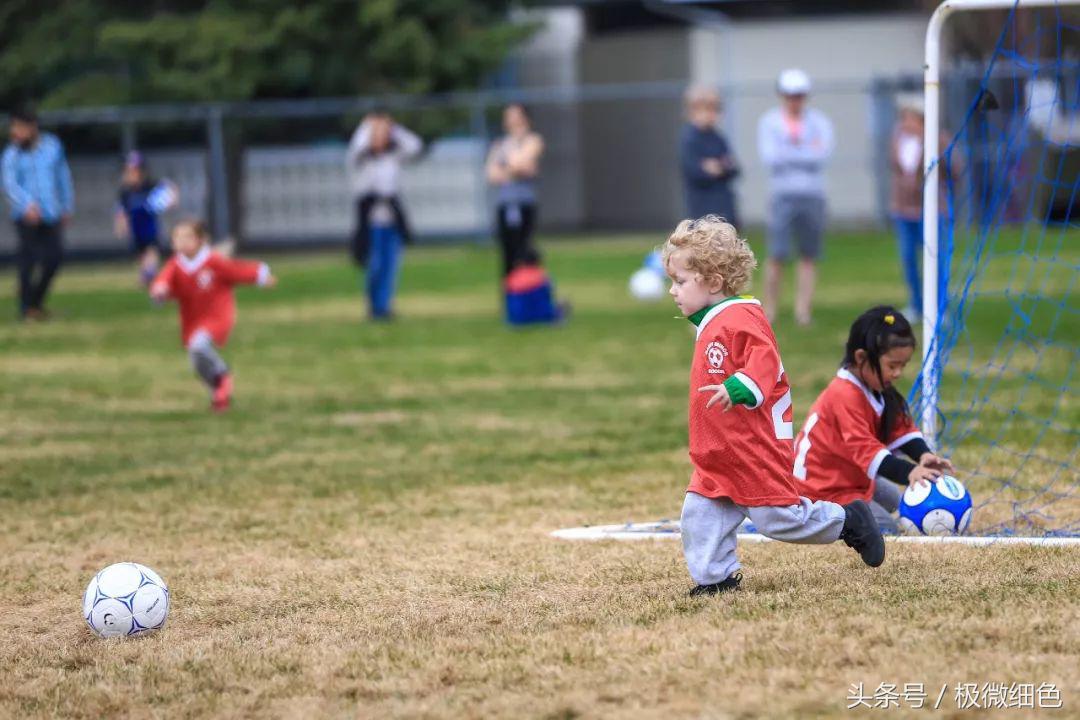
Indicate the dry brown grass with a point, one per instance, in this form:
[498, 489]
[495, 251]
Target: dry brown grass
[454, 602]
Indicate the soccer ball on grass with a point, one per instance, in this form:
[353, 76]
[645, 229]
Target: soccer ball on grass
[938, 508]
[125, 599]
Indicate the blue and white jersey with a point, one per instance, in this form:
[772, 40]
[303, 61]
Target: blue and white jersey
[143, 204]
[38, 175]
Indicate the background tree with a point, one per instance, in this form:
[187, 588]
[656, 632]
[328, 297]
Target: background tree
[95, 52]
[70, 53]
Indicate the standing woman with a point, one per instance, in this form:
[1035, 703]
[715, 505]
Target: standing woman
[707, 162]
[373, 162]
[513, 166]
[795, 142]
[906, 200]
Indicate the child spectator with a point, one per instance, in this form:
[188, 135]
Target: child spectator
[142, 201]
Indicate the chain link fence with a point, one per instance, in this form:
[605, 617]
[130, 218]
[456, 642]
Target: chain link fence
[273, 173]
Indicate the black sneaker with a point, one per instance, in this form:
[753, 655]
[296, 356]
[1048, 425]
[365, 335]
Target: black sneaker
[861, 533]
[727, 585]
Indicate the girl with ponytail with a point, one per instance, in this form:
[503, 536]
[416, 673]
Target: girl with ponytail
[858, 430]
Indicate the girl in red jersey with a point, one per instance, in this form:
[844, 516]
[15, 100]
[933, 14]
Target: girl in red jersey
[740, 418]
[846, 450]
[201, 281]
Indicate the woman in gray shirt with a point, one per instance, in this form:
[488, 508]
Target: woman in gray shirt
[512, 168]
[376, 152]
[794, 142]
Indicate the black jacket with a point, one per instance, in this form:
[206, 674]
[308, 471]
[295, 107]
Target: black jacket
[361, 240]
[706, 194]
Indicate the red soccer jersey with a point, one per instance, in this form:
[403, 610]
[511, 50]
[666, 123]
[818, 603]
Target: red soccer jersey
[838, 452]
[745, 453]
[203, 287]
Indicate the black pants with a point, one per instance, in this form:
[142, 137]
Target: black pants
[39, 257]
[515, 224]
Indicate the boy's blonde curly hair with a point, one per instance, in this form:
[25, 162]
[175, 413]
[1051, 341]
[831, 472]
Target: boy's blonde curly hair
[713, 249]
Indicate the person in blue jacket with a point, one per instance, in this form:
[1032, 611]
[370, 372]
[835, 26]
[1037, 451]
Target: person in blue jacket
[142, 201]
[37, 182]
[707, 162]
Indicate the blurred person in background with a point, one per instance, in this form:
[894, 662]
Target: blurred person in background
[142, 200]
[202, 281]
[707, 162]
[373, 162]
[906, 199]
[513, 165]
[37, 182]
[794, 143]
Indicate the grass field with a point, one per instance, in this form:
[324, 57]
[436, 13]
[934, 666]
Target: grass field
[366, 534]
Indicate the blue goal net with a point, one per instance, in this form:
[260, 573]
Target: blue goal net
[1006, 338]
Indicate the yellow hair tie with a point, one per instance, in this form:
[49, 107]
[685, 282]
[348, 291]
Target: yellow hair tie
[890, 319]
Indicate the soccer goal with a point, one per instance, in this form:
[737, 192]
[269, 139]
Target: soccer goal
[998, 385]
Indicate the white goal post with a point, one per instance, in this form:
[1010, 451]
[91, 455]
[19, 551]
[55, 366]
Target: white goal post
[931, 150]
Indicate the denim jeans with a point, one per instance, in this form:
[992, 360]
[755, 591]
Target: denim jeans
[909, 237]
[384, 261]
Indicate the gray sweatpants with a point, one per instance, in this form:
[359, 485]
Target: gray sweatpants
[709, 526]
[886, 501]
[205, 359]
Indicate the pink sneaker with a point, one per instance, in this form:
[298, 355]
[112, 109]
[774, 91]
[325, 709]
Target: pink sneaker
[222, 393]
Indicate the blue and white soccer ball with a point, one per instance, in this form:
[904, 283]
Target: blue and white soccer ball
[649, 282]
[655, 261]
[647, 286]
[125, 599]
[939, 508]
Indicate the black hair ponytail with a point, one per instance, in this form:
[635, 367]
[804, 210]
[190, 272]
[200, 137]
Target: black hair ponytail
[876, 332]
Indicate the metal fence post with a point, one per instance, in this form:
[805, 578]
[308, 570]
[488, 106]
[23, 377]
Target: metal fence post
[219, 186]
[478, 124]
[882, 121]
[129, 139]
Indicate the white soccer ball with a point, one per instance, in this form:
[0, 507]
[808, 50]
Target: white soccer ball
[125, 599]
[939, 508]
[647, 285]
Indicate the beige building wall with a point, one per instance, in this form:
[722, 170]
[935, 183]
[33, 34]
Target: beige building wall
[630, 147]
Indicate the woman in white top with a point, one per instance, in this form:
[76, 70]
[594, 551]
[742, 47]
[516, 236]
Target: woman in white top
[795, 142]
[513, 166]
[376, 152]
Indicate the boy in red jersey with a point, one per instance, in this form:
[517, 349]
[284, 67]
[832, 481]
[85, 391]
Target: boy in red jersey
[847, 446]
[202, 283]
[740, 418]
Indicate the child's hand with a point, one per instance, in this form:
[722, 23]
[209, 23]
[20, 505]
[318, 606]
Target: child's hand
[932, 461]
[721, 396]
[271, 281]
[159, 292]
[920, 475]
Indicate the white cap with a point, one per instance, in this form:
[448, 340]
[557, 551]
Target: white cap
[911, 102]
[793, 81]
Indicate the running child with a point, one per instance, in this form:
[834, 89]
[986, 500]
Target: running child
[848, 448]
[202, 281]
[142, 201]
[740, 418]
